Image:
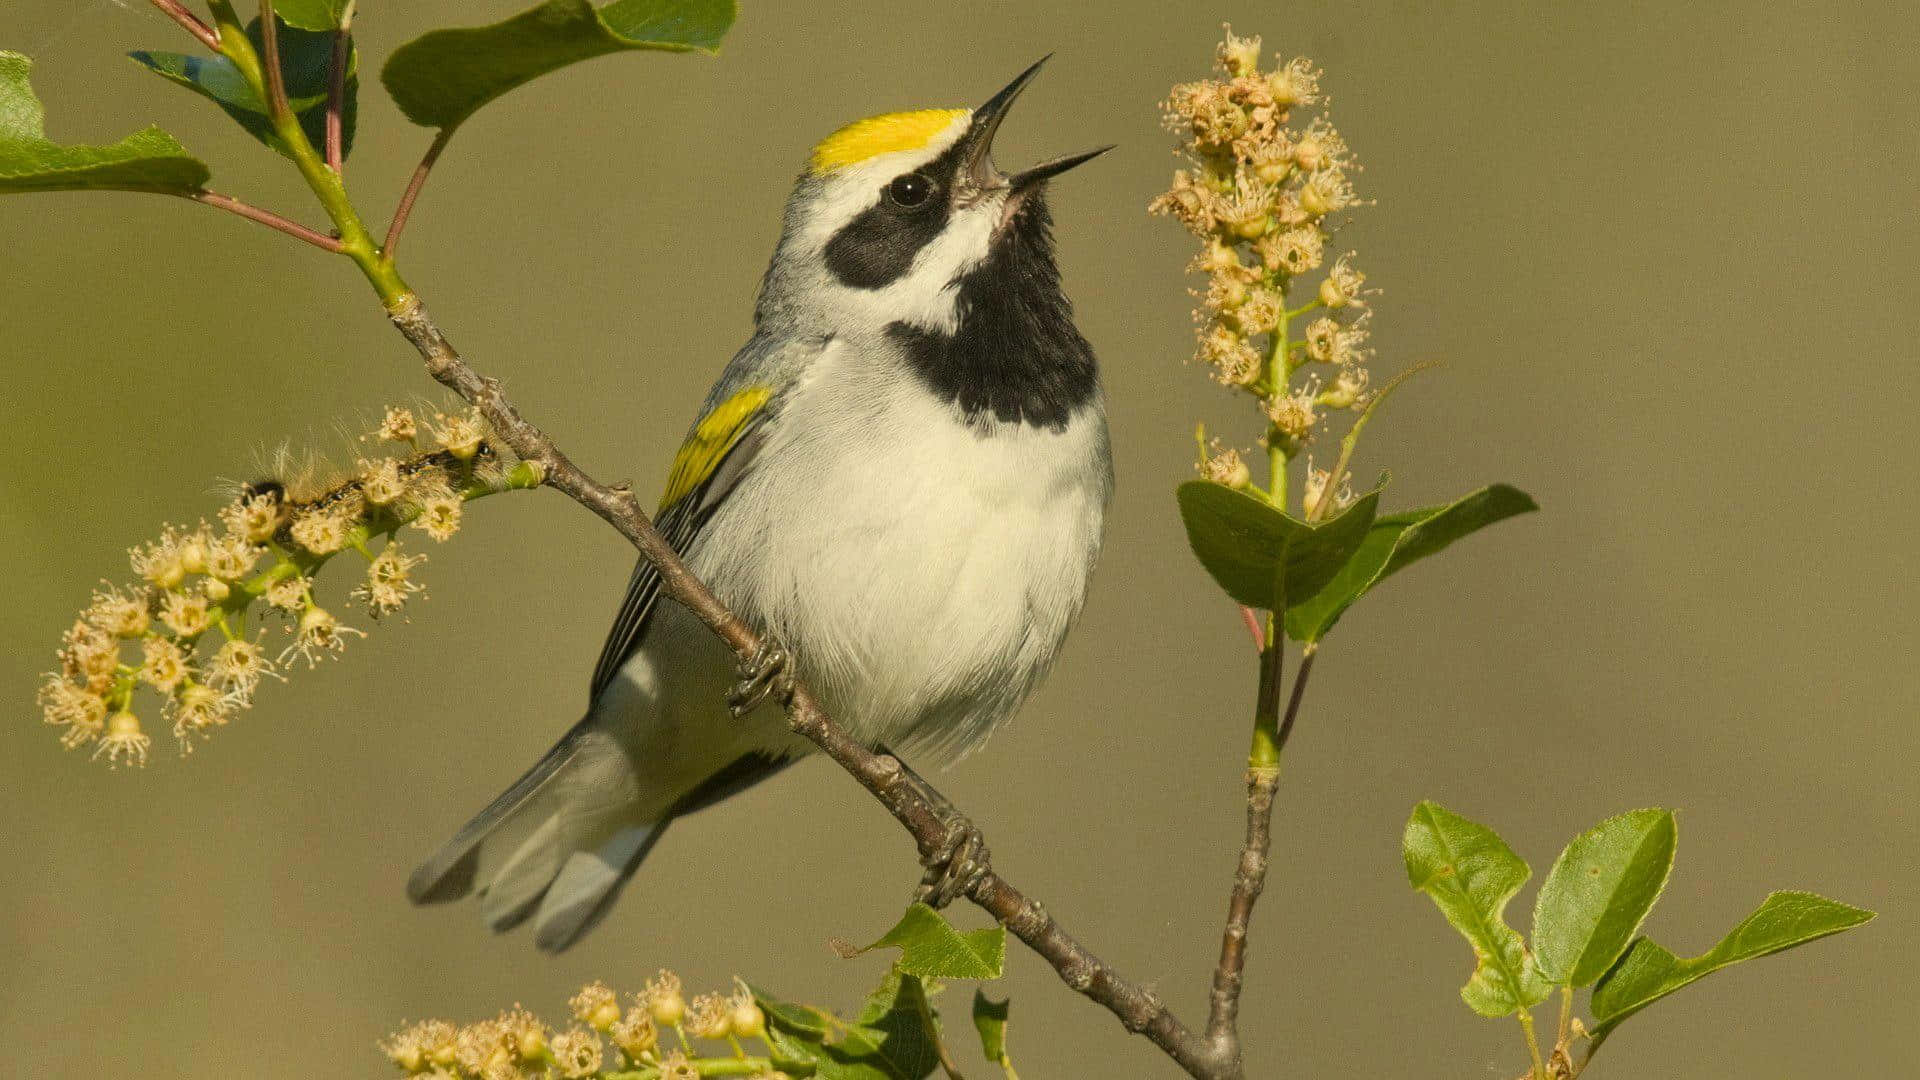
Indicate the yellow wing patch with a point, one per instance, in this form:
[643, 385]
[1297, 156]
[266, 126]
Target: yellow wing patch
[712, 437]
[884, 134]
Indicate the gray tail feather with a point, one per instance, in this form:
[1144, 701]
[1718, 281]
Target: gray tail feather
[449, 873]
[559, 845]
[555, 847]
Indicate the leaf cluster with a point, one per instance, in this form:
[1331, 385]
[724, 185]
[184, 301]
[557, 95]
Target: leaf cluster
[897, 1033]
[438, 80]
[1587, 918]
[1264, 557]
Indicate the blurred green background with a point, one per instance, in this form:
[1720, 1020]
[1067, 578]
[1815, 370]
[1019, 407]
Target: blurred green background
[1667, 255]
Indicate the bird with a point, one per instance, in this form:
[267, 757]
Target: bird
[901, 481]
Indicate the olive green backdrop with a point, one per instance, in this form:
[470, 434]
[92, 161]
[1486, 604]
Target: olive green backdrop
[1667, 254]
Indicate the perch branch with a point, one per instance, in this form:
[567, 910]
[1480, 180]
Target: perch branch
[1137, 1008]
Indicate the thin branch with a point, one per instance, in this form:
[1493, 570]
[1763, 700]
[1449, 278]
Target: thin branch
[270, 59]
[178, 13]
[1299, 688]
[412, 195]
[336, 99]
[1137, 1008]
[1250, 877]
[266, 217]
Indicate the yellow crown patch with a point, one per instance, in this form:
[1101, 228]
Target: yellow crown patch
[884, 134]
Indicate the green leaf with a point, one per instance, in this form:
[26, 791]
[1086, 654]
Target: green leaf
[151, 160]
[1649, 972]
[892, 1027]
[306, 60]
[931, 948]
[990, 1020]
[1471, 874]
[1598, 893]
[888, 1042]
[1395, 542]
[1244, 542]
[443, 77]
[312, 14]
[803, 1019]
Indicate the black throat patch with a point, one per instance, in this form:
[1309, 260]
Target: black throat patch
[1015, 356]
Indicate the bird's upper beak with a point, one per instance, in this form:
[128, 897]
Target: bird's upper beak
[977, 144]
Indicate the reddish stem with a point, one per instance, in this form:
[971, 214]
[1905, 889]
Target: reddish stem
[336, 102]
[190, 22]
[268, 218]
[270, 47]
[1252, 619]
[405, 209]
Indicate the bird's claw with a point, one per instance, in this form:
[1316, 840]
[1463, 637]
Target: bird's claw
[954, 869]
[768, 673]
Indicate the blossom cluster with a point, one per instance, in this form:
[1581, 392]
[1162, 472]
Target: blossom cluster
[654, 1036]
[181, 629]
[1264, 189]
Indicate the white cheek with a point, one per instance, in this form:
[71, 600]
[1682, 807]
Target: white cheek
[925, 296]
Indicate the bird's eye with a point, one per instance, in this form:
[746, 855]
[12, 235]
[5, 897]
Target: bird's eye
[910, 190]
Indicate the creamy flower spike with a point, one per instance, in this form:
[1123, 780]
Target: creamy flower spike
[1264, 198]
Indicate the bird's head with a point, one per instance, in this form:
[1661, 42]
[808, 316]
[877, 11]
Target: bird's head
[894, 213]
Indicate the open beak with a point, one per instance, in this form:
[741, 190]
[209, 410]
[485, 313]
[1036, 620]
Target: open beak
[977, 144]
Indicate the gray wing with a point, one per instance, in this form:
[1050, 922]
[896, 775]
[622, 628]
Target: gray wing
[767, 360]
[680, 524]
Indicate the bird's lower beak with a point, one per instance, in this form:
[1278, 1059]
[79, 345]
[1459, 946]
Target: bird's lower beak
[977, 144]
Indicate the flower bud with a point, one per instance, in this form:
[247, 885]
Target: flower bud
[747, 1021]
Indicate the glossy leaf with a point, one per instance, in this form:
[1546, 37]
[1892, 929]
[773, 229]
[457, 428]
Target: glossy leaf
[151, 160]
[990, 1020]
[1649, 972]
[1246, 543]
[930, 947]
[306, 61]
[1598, 893]
[1471, 874]
[312, 14]
[1395, 542]
[443, 77]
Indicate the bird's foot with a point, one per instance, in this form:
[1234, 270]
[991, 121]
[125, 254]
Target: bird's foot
[956, 866]
[768, 673]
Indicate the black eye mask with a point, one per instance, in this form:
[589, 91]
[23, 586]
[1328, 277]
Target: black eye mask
[877, 248]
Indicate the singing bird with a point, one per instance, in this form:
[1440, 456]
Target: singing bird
[901, 479]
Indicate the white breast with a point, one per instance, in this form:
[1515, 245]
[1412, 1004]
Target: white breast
[923, 572]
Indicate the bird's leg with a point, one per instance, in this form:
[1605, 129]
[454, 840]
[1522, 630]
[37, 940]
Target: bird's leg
[961, 860]
[767, 673]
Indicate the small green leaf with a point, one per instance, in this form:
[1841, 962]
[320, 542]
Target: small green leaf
[151, 160]
[892, 1027]
[1598, 893]
[1245, 542]
[1471, 874]
[306, 60]
[312, 14]
[1649, 972]
[799, 1018]
[990, 1020]
[931, 948]
[445, 76]
[888, 1042]
[1395, 542]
